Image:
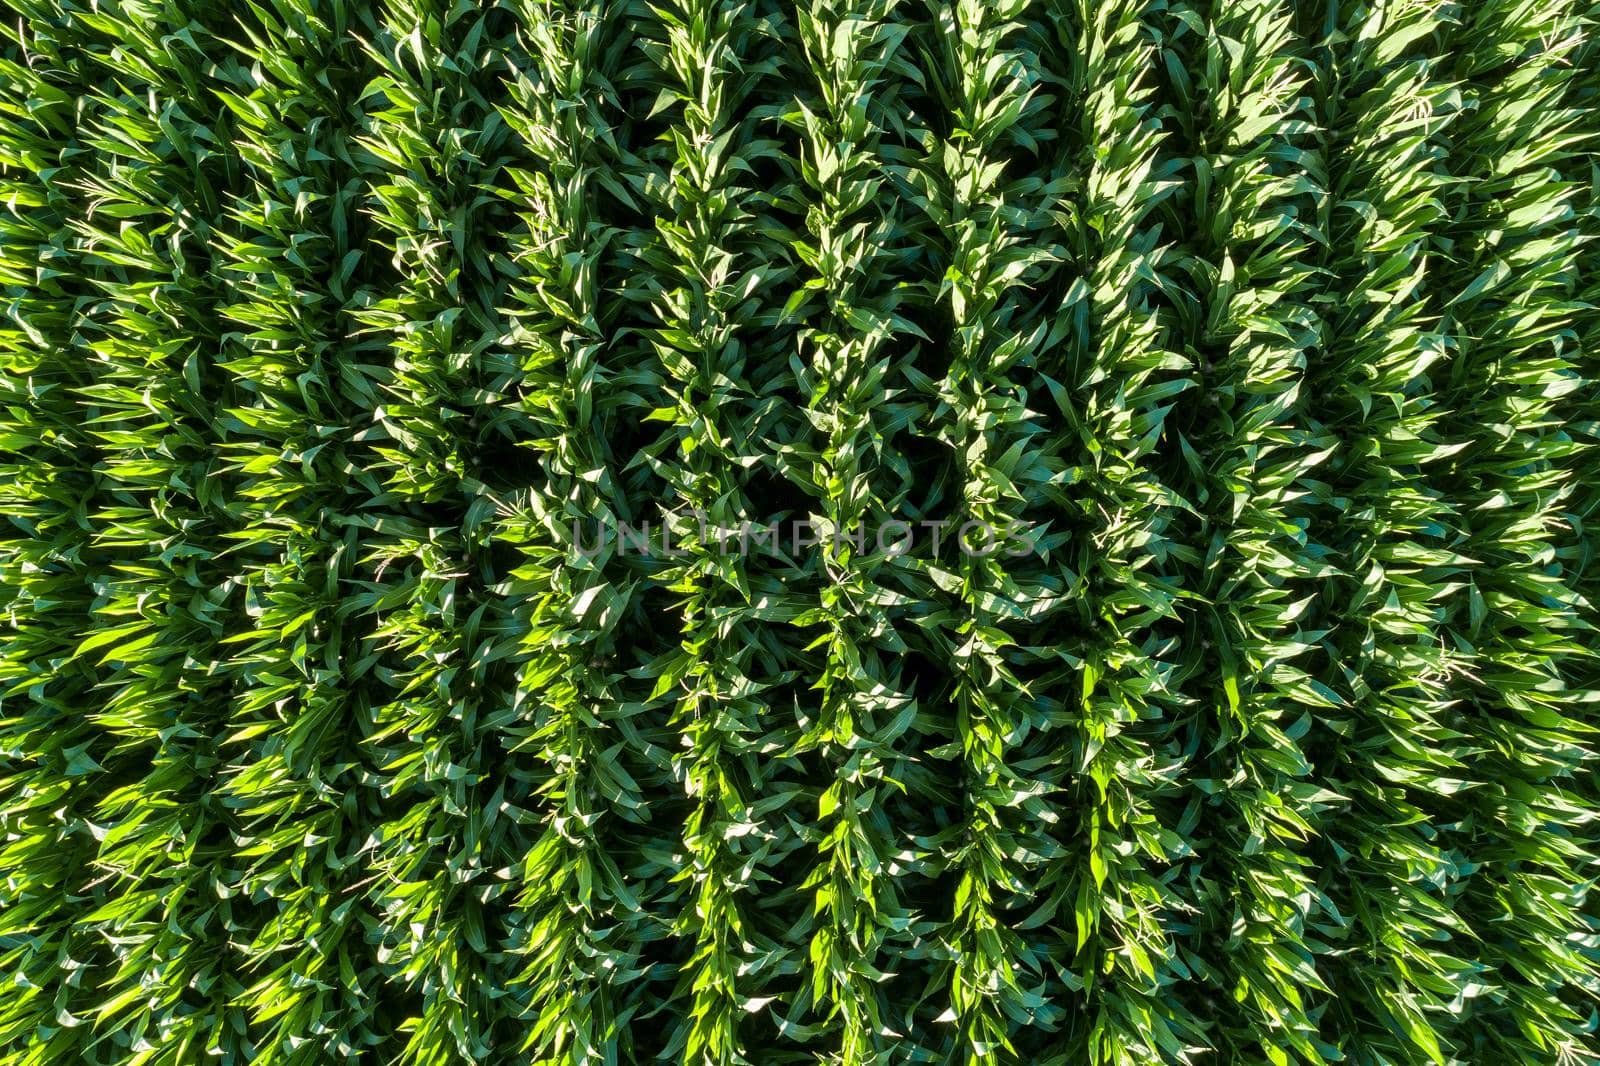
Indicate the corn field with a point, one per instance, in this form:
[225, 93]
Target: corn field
[1170, 435]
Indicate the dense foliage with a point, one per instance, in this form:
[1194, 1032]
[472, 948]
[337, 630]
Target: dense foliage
[344, 341]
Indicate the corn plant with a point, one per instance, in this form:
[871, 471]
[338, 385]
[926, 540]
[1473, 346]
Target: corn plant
[859, 531]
